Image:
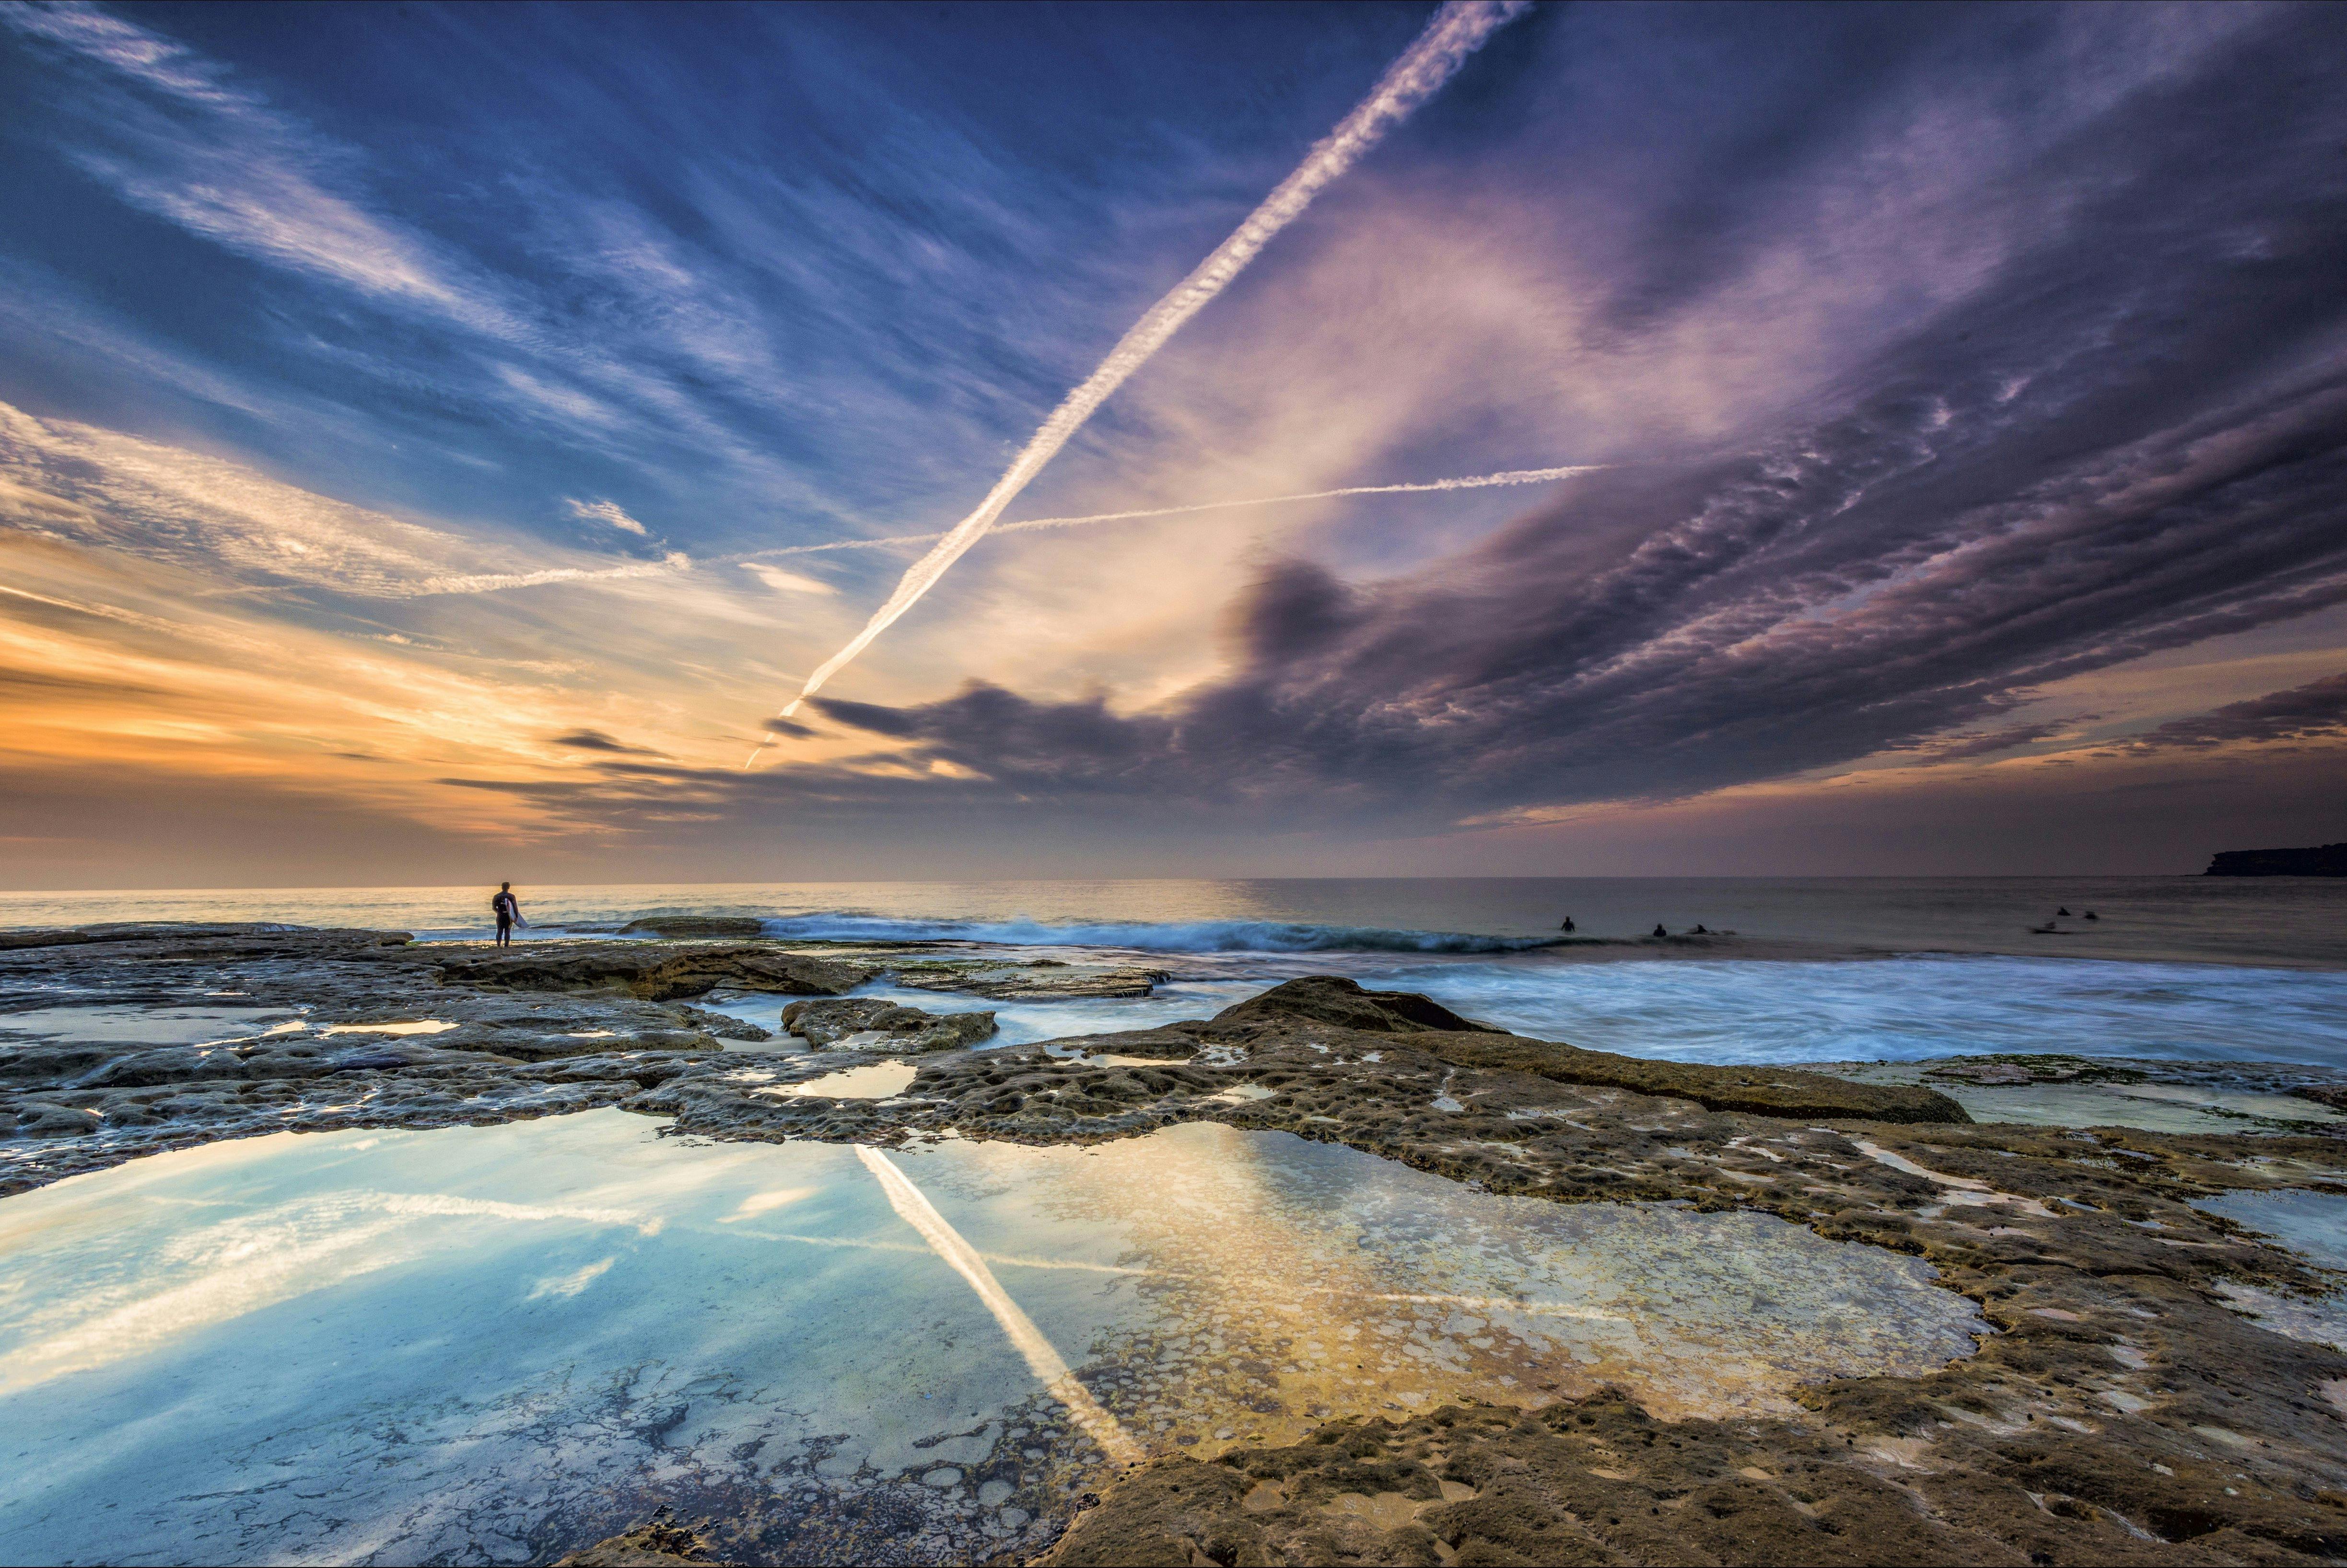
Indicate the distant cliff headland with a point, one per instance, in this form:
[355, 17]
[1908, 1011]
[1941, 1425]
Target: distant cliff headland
[2321, 860]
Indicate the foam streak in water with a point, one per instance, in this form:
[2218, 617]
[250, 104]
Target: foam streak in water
[913, 1206]
[1457, 31]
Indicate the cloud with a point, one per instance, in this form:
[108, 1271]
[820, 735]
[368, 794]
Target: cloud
[1973, 743]
[784, 581]
[72, 482]
[1456, 32]
[597, 741]
[605, 512]
[2314, 711]
[250, 176]
[2128, 434]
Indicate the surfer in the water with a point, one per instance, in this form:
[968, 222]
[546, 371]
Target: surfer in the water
[509, 913]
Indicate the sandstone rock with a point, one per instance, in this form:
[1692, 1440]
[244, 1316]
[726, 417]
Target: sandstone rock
[724, 1026]
[1039, 980]
[695, 926]
[657, 1542]
[852, 1021]
[651, 971]
[37, 1119]
[1329, 999]
[1174, 1042]
[1760, 1091]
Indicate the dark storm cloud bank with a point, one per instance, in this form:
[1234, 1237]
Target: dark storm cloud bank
[2314, 711]
[2131, 437]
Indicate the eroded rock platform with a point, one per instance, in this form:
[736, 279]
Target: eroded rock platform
[2125, 1411]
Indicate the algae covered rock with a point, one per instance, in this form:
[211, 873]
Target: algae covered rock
[867, 1021]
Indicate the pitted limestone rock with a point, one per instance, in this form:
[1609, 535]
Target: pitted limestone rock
[868, 1023]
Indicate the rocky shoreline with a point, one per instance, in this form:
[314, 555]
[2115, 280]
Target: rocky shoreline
[2127, 1410]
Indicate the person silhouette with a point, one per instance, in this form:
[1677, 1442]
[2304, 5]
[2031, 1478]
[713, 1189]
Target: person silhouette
[1658, 929]
[509, 913]
[1568, 924]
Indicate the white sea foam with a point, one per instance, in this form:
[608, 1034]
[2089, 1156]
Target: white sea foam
[1148, 936]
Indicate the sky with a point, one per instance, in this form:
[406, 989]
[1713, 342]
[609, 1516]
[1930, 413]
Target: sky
[436, 443]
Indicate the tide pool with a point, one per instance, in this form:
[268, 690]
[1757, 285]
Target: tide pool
[499, 1344]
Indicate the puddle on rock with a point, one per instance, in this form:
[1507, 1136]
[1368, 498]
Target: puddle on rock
[406, 1027]
[876, 1080]
[2154, 1107]
[2311, 1225]
[142, 1025]
[510, 1341]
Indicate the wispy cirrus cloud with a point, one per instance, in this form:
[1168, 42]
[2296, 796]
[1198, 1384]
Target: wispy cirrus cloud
[191, 146]
[608, 513]
[68, 481]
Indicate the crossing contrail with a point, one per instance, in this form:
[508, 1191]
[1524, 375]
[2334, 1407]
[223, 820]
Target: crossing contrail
[1457, 30]
[676, 561]
[1471, 482]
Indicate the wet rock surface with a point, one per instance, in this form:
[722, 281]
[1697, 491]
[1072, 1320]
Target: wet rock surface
[869, 1024]
[2129, 1409]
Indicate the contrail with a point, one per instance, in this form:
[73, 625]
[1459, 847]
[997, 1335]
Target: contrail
[1473, 482]
[1457, 31]
[676, 561]
[913, 1206]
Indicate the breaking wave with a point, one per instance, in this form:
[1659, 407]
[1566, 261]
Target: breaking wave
[1151, 937]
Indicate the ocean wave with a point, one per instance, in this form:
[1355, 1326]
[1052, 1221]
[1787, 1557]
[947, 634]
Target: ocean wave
[1151, 937]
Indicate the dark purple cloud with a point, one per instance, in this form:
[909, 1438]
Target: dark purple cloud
[597, 741]
[2314, 711]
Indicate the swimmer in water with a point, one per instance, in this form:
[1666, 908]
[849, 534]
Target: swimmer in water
[1568, 924]
[1658, 929]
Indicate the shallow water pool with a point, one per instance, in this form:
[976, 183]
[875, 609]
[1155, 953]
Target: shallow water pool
[497, 1344]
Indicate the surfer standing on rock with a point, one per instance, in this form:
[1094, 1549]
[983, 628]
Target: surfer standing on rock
[508, 912]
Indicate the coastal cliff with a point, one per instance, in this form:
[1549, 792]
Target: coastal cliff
[2319, 860]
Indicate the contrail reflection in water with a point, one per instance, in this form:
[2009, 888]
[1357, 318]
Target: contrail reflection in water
[913, 1206]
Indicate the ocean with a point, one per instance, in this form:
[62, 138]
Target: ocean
[1793, 968]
